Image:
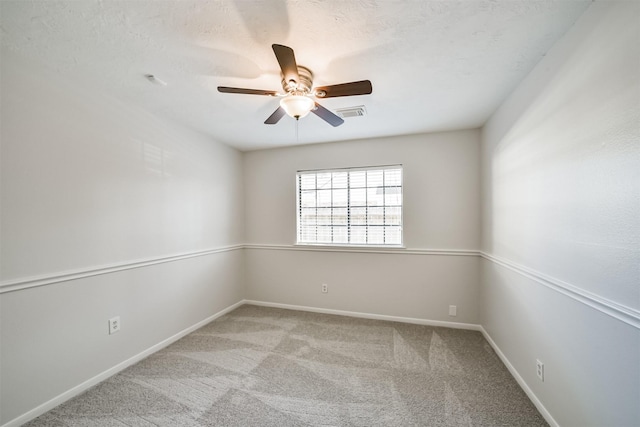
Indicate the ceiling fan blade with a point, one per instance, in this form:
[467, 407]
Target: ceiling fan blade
[362, 87]
[287, 61]
[225, 89]
[275, 117]
[327, 115]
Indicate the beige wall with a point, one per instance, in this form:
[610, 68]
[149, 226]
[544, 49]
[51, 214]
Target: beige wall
[441, 212]
[561, 222]
[441, 186]
[98, 191]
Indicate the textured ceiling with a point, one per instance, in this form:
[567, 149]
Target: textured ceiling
[434, 65]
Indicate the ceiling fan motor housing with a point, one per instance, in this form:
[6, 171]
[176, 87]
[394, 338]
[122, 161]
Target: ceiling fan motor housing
[303, 86]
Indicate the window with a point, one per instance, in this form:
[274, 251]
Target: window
[358, 206]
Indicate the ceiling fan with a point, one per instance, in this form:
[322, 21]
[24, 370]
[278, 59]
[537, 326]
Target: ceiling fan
[297, 83]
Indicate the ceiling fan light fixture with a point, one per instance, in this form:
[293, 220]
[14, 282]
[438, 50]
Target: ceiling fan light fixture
[297, 106]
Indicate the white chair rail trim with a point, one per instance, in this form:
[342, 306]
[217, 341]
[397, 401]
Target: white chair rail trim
[48, 279]
[616, 310]
[366, 249]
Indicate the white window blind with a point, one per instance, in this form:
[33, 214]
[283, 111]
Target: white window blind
[356, 206]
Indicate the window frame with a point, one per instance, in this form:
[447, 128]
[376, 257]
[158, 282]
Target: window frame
[301, 242]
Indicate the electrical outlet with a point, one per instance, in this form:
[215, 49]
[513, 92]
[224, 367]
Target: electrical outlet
[453, 310]
[325, 288]
[114, 325]
[540, 370]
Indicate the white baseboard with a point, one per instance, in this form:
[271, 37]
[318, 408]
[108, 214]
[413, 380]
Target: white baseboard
[61, 398]
[534, 399]
[427, 322]
[47, 406]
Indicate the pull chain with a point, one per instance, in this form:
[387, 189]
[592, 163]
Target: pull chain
[297, 137]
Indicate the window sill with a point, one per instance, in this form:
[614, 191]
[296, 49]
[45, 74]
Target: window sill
[355, 247]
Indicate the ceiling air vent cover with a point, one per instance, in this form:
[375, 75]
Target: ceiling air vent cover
[348, 112]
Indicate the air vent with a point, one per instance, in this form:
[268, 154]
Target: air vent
[349, 112]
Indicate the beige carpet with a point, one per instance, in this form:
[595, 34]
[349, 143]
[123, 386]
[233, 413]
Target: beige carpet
[271, 367]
